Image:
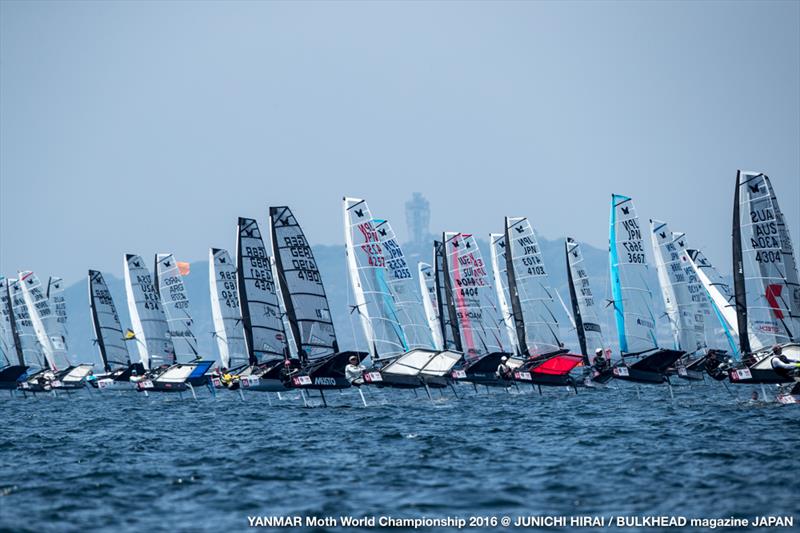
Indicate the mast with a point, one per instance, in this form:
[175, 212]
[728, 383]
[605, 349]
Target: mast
[739, 289]
[513, 291]
[107, 328]
[576, 310]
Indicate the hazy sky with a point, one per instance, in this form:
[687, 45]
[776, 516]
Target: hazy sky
[145, 127]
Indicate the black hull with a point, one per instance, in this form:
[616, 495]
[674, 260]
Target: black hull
[10, 375]
[759, 376]
[547, 380]
[651, 369]
[327, 376]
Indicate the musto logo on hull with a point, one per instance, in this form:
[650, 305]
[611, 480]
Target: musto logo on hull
[325, 381]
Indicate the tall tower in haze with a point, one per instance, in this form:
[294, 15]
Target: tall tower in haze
[418, 218]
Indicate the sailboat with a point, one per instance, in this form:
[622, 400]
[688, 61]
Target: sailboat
[721, 311]
[65, 375]
[109, 338]
[545, 360]
[643, 360]
[58, 305]
[430, 302]
[497, 252]
[12, 360]
[320, 363]
[265, 340]
[765, 280]
[585, 315]
[387, 302]
[191, 368]
[473, 313]
[30, 352]
[682, 297]
[226, 311]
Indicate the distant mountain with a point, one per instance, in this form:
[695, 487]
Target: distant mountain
[331, 263]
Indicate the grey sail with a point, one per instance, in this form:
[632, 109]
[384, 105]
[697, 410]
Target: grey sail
[264, 335]
[303, 293]
[105, 322]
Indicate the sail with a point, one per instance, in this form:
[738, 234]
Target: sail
[674, 286]
[473, 297]
[498, 257]
[225, 309]
[58, 305]
[374, 302]
[175, 303]
[8, 343]
[584, 307]
[447, 308]
[404, 289]
[264, 336]
[151, 334]
[105, 321]
[765, 272]
[529, 288]
[32, 351]
[430, 302]
[301, 284]
[633, 301]
[44, 321]
[721, 302]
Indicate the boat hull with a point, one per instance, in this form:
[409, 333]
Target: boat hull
[10, 376]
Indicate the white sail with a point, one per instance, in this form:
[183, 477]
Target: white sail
[674, 287]
[58, 305]
[175, 303]
[151, 333]
[404, 289]
[43, 320]
[474, 298]
[287, 326]
[498, 257]
[430, 302]
[529, 289]
[721, 302]
[374, 302]
[264, 335]
[303, 293]
[32, 350]
[105, 322]
[585, 307]
[225, 309]
[632, 298]
[769, 267]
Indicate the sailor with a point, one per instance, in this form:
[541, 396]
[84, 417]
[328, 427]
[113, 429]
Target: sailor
[354, 371]
[754, 396]
[783, 366]
[503, 370]
[599, 360]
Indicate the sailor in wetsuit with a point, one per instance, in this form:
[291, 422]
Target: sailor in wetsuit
[354, 371]
[503, 370]
[600, 362]
[782, 365]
